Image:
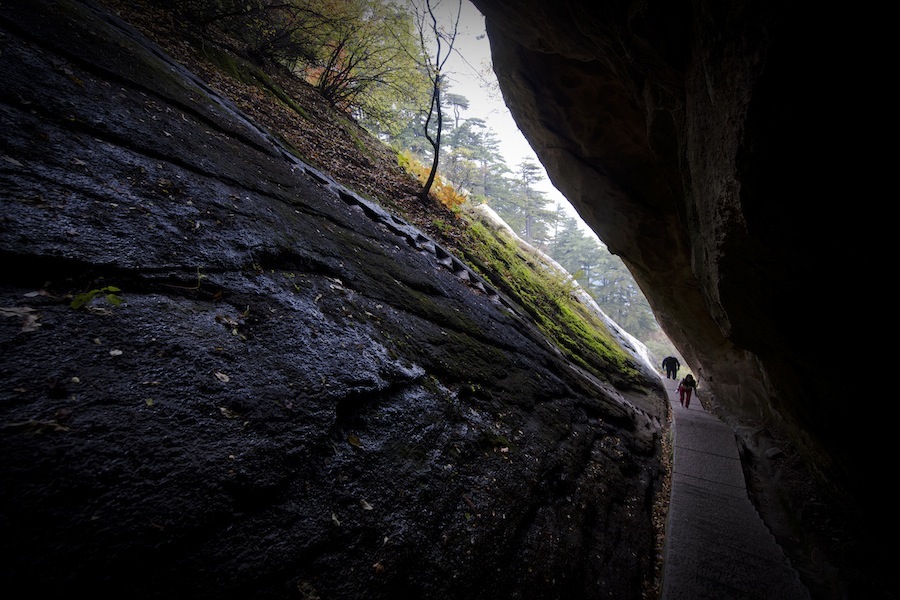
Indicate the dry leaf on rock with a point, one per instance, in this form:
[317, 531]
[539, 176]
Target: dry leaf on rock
[228, 413]
[28, 315]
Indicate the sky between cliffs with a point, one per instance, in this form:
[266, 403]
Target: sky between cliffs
[470, 74]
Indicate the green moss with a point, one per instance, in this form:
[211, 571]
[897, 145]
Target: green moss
[547, 296]
[442, 226]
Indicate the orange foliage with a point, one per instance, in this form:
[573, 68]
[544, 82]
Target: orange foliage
[441, 189]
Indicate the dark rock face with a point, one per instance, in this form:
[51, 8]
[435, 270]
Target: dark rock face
[299, 395]
[686, 135]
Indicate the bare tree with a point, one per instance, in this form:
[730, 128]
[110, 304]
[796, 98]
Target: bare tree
[428, 26]
[368, 45]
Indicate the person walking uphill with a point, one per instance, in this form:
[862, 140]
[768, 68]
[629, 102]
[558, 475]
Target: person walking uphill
[671, 364]
[687, 385]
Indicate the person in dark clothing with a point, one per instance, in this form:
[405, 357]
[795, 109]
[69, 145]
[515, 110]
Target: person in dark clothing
[671, 365]
[687, 385]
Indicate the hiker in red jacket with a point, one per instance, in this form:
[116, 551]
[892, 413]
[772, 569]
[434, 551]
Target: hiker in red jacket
[687, 385]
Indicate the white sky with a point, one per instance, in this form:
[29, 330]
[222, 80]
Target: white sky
[470, 74]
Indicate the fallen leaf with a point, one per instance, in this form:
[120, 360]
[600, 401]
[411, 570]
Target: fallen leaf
[30, 323]
[354, 441]
[227, 320]
[335, 519]
[228, 413]
[115, 353]
[28, 315]
[222, 377]
[365, 505]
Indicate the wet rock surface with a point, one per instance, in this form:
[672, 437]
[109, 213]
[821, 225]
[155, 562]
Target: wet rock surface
[273, 388]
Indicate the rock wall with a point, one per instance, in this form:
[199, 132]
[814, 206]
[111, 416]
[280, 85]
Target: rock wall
[225, 375]
[698, 140]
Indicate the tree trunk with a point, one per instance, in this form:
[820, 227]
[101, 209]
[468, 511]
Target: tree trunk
[436, 142]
